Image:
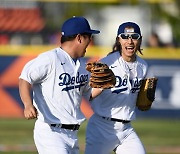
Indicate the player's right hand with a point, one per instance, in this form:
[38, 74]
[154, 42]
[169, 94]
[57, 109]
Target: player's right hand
[30, 112]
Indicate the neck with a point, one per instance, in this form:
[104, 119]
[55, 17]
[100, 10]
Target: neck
[70, 50]
[129, 59]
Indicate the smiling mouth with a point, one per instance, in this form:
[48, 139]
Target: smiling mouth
[130, 48]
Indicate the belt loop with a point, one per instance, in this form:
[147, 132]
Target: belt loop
[108, 118]
[74, 127]
[58, 125]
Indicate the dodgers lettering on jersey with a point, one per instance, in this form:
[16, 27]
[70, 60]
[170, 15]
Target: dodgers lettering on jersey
[72, 82]
[136, 83]
[122, 84]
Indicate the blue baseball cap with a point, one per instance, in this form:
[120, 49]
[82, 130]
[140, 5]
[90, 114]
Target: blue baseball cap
[77, 25]
[129, 27]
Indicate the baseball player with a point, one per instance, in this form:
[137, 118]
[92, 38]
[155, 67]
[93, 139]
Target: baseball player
[109, 129]
[58, 79]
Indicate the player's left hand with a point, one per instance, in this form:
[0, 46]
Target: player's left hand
[146, 94]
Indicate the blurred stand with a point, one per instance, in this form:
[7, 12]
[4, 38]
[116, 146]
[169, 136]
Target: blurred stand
[21, 22]
[37, 22]
[162, 36]
[154, 41]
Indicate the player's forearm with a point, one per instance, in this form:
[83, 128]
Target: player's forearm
[25, 92]
[95, 92]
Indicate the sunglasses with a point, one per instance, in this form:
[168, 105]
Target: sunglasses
[126, 36]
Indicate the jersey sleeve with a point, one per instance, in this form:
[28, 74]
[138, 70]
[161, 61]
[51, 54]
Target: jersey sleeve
[87, 92]
[146, 70]
[143, 65]
[37, 70]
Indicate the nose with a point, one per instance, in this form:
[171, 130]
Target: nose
[91, 37]
[130, 39]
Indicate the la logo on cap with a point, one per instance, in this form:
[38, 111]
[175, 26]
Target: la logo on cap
[129, 30]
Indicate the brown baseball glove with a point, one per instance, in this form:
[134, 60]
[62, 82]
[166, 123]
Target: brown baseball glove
[101, 75]
[146, 94]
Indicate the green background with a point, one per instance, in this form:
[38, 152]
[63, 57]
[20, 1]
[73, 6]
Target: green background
[160, 136]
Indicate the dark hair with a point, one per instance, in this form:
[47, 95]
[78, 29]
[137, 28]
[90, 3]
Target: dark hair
[117, 47]
[70, 38]
[67, 38]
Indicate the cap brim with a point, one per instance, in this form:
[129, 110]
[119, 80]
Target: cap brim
[93, 31]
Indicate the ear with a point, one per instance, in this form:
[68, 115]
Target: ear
[118, 39]
[78, 37]
[139, 42]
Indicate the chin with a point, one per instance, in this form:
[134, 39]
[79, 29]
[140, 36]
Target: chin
[130, 54]
[82, 55]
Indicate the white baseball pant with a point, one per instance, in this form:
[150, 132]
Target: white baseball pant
[103, 136]
[52, 140]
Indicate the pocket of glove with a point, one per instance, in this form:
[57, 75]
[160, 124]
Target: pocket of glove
[101, 75]
[146, 95]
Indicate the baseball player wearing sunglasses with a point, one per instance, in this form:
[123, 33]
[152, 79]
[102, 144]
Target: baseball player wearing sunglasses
[109, 129]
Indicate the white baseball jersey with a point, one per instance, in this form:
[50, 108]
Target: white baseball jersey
[58, 86]
[120, 102]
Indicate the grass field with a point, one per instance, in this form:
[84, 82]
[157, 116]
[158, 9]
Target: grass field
[160, 136]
